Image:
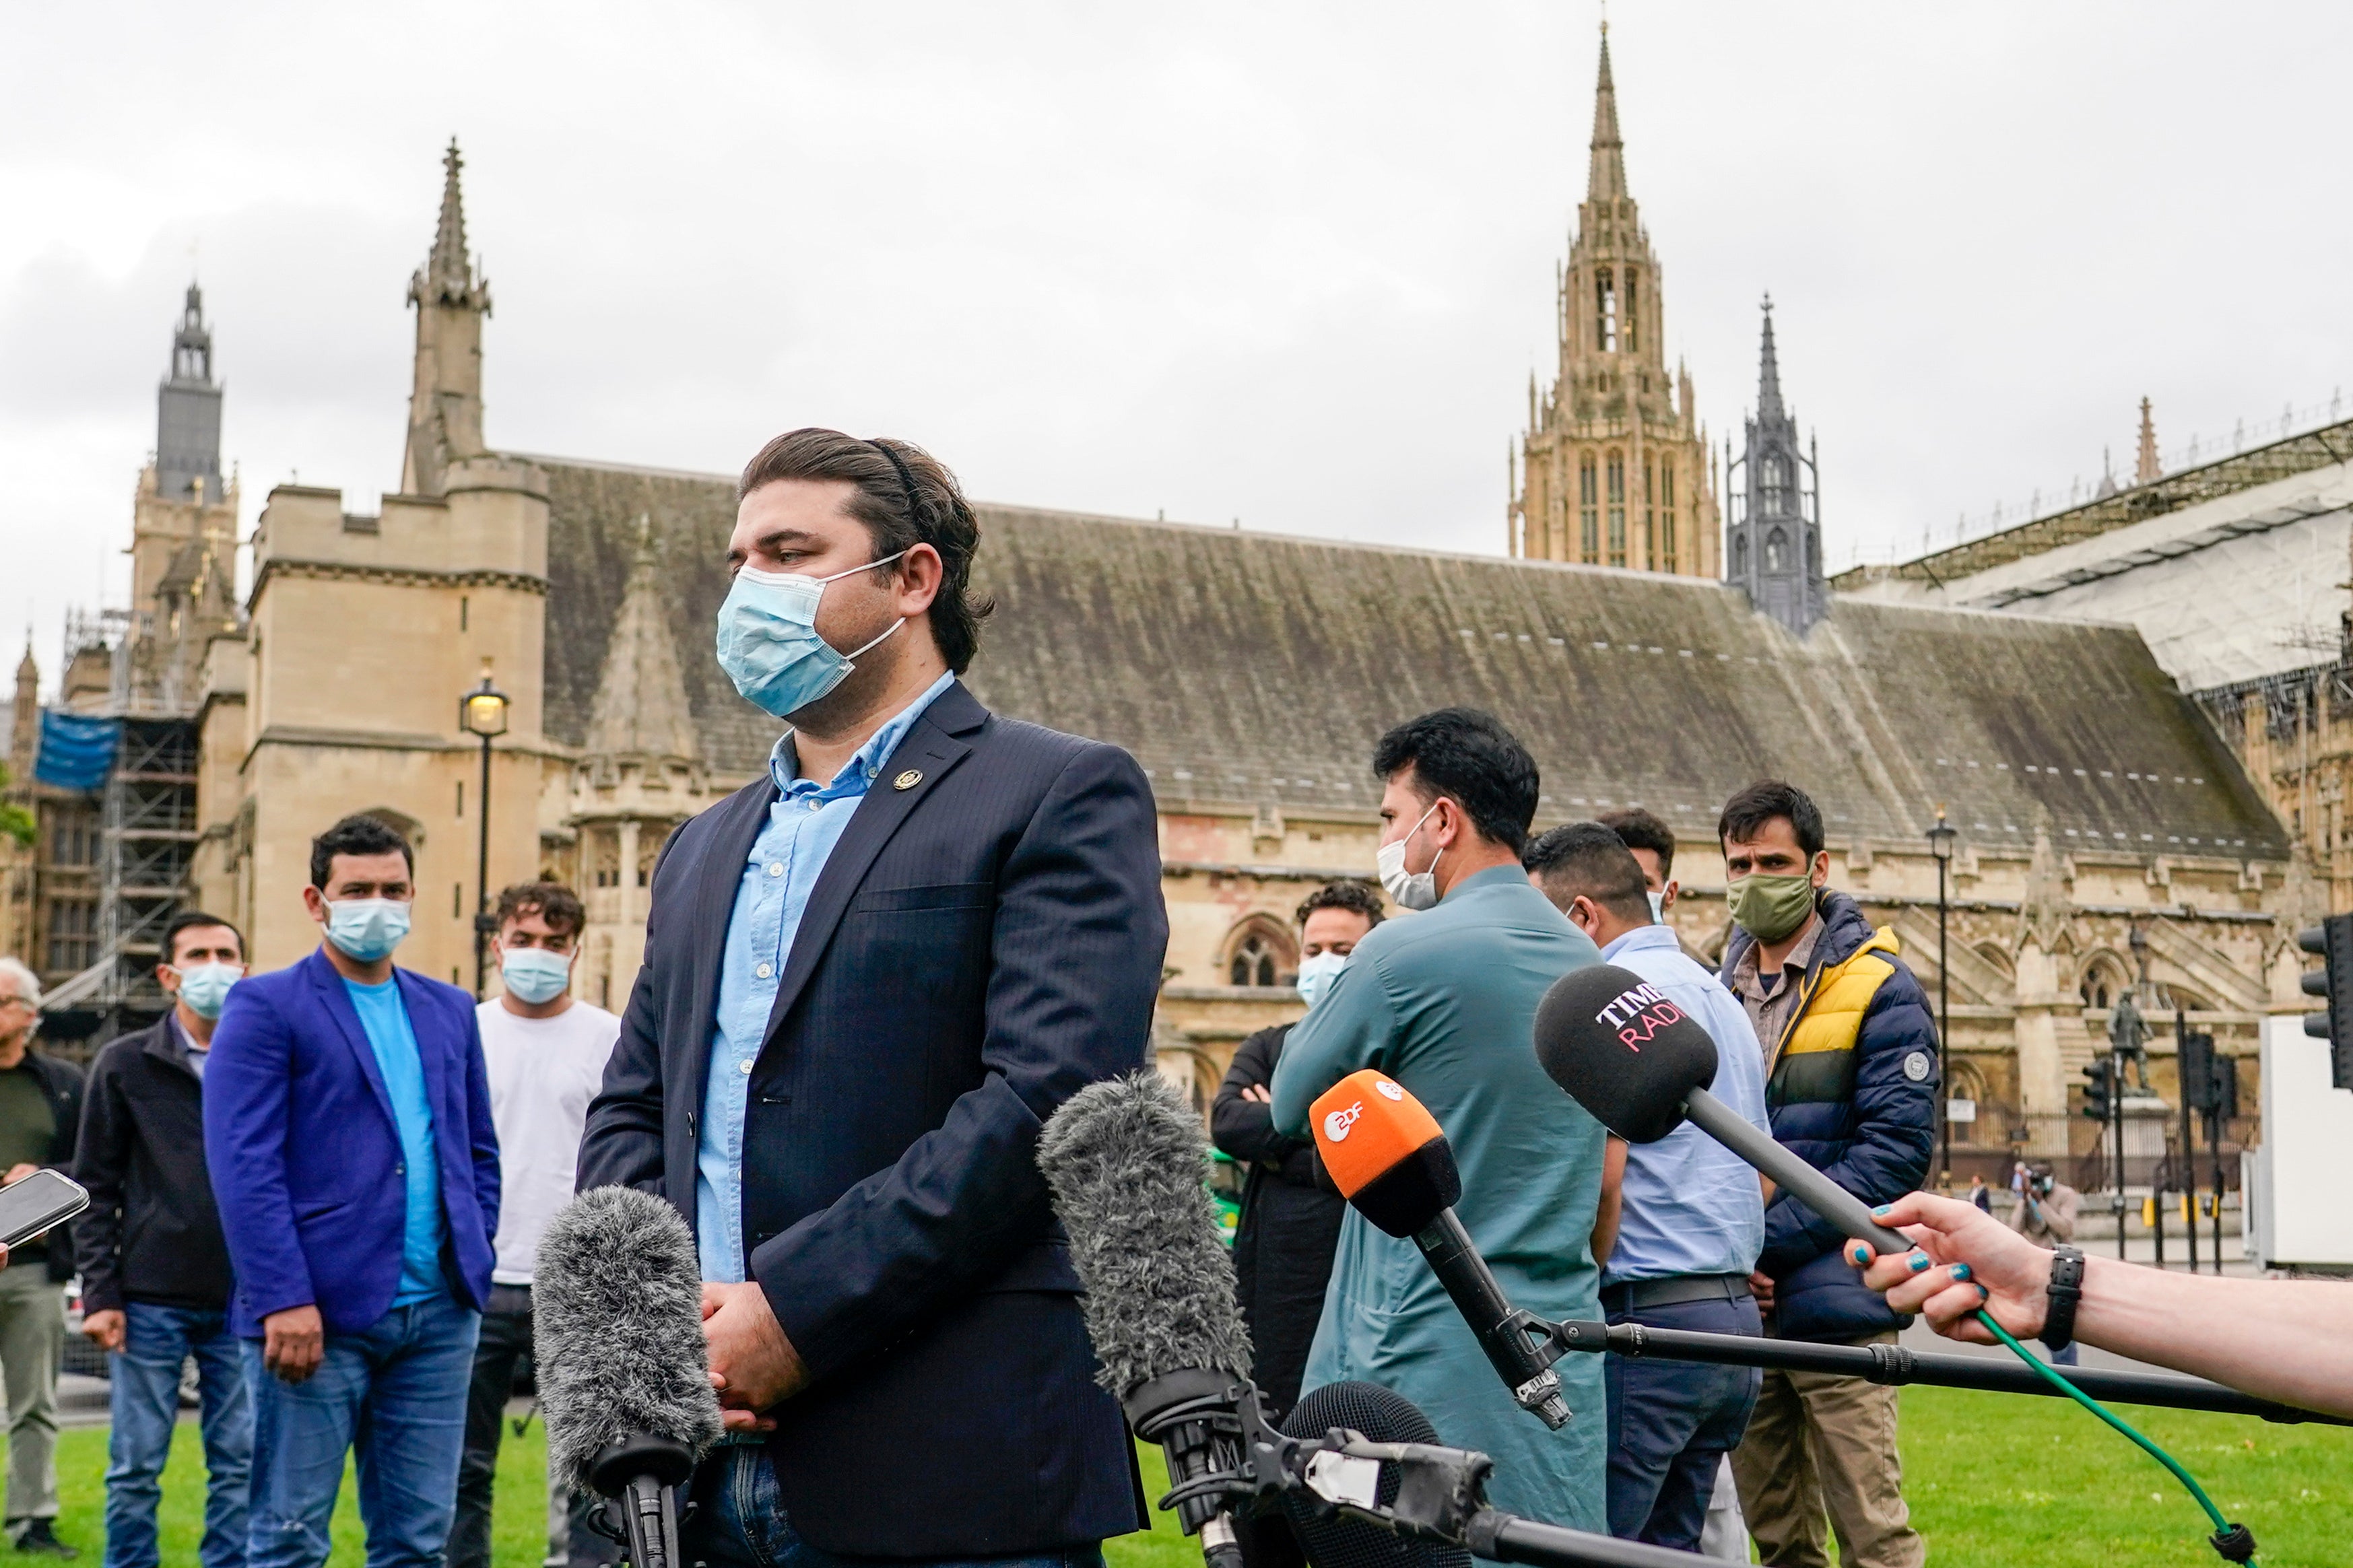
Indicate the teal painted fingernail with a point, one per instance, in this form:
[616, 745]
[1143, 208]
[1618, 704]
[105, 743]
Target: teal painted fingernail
[1960, 1271]
[1882, 1209]
[1919, 1261]
[1862, 1253]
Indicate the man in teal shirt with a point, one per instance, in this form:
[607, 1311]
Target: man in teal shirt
[1445, 1003]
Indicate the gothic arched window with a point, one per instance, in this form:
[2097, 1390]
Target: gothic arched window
[1740, 556]
[1633, 320]
[1617, 508]
[1588, 514]
[1605, 310]
[1777, 546]
[1259, 953]
[1776, 477]
[1253, 962]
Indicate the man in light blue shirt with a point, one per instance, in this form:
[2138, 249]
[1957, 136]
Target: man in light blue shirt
[1691, 1219]
[805, 822]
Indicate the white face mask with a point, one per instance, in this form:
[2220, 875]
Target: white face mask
[1410, 890]
[1316, 975]
[1658, 907]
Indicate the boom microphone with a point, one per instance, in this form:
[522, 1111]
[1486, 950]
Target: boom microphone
[1642, 1066]
[1127, 1167]
[1334, 1540]
[624, 1376]
[1392, 1161]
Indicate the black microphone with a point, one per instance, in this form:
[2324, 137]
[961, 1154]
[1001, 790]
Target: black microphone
[1127, 1167]
[1642, 1066]
[1334, 1540]
[1392, 1161]
[624, 1376]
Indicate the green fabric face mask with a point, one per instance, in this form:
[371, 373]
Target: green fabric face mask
[1770, 908]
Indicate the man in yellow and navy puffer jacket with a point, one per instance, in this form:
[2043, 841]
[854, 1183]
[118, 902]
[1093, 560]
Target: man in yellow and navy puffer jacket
[1851, 1086]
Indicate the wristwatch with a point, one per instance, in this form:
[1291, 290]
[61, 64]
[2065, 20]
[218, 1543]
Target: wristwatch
[2066, 1289]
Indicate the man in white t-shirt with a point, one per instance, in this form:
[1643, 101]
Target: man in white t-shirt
[545, 1052]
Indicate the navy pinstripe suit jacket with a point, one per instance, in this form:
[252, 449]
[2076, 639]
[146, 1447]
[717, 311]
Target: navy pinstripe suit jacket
[980, 946]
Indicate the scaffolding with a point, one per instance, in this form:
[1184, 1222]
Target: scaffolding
[149, 836]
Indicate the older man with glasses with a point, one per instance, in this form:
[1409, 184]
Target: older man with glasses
[40, 1111]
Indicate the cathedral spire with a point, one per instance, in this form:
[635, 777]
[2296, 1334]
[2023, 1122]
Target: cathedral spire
[1769, 372]
[2145, 466]
[1606, 178]
[448, 277]
[452, 296]
[1776, 536]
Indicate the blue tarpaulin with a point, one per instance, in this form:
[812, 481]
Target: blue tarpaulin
[77, 751]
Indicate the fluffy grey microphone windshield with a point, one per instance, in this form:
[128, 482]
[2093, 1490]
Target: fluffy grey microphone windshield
[617, 1330]
[1126, 1163]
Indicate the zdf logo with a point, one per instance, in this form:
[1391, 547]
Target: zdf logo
[1337, 1125]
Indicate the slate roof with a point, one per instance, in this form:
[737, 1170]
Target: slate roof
[1249, 667]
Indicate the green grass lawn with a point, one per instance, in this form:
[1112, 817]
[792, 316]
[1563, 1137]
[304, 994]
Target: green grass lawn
[1995, 1481]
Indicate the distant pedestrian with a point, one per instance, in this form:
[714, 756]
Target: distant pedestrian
[545, 1052]
[2046, 1214]
[40, 1114]
[1981, 1194]
[1291, 1214]
[156, 1277]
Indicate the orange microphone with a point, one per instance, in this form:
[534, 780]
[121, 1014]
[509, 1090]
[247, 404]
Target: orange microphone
[1392, 1161]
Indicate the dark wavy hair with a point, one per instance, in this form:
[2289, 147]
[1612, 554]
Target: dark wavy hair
[928, 508]
[1346, 894]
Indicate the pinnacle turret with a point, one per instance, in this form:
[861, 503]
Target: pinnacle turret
[448, 275]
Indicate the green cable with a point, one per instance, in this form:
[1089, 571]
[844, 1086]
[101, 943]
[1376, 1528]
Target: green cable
[2223, 1529]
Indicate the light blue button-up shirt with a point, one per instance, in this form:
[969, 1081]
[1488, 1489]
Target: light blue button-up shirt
[805, 822]
[1689, 1205]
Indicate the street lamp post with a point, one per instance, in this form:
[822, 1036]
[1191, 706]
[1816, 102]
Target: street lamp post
[483, 711]
[1940, 845]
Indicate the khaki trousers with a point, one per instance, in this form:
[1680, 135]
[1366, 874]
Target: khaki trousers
[32, 1334]
[1817, 1445]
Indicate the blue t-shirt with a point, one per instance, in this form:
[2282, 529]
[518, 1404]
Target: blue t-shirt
[386, 1019]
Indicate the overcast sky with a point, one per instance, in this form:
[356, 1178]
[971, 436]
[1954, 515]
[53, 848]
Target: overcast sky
[1286, 263]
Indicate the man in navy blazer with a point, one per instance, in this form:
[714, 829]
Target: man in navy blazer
[871, 976]
[347, 1128]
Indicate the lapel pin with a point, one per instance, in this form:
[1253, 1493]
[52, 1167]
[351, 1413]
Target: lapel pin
[907, 780]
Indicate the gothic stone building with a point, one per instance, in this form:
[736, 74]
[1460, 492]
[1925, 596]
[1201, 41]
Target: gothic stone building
[1250, 674]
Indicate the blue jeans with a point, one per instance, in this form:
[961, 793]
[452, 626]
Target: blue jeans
[739, 1522]
[1670, 1424]
[145, 1400]
[396, 1393]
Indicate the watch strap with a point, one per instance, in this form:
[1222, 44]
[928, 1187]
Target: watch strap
[2066, 1289]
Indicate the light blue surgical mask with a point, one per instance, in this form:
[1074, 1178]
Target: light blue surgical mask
[1316, 975]
[366, 929]
[534, 975]
[769, 643]
[204, 987]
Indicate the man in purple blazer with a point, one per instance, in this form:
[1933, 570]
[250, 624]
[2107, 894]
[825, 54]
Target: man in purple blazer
[347, 1128]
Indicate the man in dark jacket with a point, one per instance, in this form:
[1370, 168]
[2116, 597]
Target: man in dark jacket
[1291, 1215]
[1851, 1086]
[871, 975]
[40, 1112]
[154, 1269]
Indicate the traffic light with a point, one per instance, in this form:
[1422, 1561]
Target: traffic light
[2226, 1087]
[2197, 1066]
[2100, 1088]
[2332, 939]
